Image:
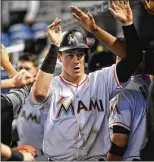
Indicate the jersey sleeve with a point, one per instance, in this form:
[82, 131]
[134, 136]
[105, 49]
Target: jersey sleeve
[111, 79]
[120, 111]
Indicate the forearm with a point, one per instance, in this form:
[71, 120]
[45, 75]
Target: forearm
[41, 88]
[131, 61]
[7, 83]
[8, 154]
[5, 152]
[17, 98]
[9, 68]
[116, 46]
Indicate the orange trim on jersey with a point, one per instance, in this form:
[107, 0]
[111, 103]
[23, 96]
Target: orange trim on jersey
[120, 123]
[72, 84]
[115, 77]
[62, 98]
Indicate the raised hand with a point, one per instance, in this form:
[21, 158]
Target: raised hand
[54, 32]
[86, 20]
[121, 10]
[149, 6]
[22, 79]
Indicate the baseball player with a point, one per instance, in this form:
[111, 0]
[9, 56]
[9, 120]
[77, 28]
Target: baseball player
[78, 104]
[30, 128]
[137, 82]
[127, 124]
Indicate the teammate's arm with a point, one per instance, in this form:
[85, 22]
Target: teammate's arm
[41, 88]
[9, 154]
[5, 62]
[87, 21]
[119, 142]
[122, 12]
[119, 124]
[21, 79]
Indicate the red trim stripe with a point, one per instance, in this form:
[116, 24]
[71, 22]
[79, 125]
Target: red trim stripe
[120, 123]
[115, 77]
[73, 84]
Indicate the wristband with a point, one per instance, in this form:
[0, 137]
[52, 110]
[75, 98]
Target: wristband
[49, 62]
[127, 24]
[16, 156]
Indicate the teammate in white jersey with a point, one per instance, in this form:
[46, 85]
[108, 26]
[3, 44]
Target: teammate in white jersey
[127, 123]
[78, 104]
[127, 119]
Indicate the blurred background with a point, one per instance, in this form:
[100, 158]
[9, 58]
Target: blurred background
[23, 25]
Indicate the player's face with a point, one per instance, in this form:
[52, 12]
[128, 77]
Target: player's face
[73, 63]
[29, 66]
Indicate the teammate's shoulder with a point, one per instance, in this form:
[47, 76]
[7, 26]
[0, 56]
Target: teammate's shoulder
[128, 94]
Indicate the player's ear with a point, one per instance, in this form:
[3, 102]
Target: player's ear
[59, 56]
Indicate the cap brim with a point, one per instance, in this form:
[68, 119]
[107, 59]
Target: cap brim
[61, 49]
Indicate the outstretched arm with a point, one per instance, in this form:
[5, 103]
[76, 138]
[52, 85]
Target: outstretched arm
[5, 63]
[122, 12]
[87, 21]
[21, 79]
[41, 88]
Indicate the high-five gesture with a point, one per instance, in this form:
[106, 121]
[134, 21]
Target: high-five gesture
[121, 10]
[86, 20]
[149, 6]
[54, 32]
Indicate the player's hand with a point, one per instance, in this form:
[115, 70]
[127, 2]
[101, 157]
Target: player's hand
[86, 20]
[22, 79]
[121, 10]
[28, 156]
[149, 6]
[54, 32]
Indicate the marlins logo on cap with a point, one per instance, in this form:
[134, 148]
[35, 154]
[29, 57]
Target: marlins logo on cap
[72, 39]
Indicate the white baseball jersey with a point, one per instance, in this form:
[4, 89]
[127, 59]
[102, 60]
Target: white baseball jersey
[30, 126]
[77, 122]
[127, 109]
[136, 82]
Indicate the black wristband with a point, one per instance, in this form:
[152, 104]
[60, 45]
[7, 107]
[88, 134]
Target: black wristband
[116, 150]
[16, 156]
[49, 62]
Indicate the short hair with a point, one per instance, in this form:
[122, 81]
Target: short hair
[29, 57]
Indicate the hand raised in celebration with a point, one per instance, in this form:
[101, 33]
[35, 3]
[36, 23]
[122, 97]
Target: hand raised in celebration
[54, 32]
[121, 10]
[149, 6]
[86, 20]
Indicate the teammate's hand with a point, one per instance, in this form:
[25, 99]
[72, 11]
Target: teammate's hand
[22, 79]
[28, 156]
[86, 20]
[121, 10]
[54, 32]
[149, 6]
